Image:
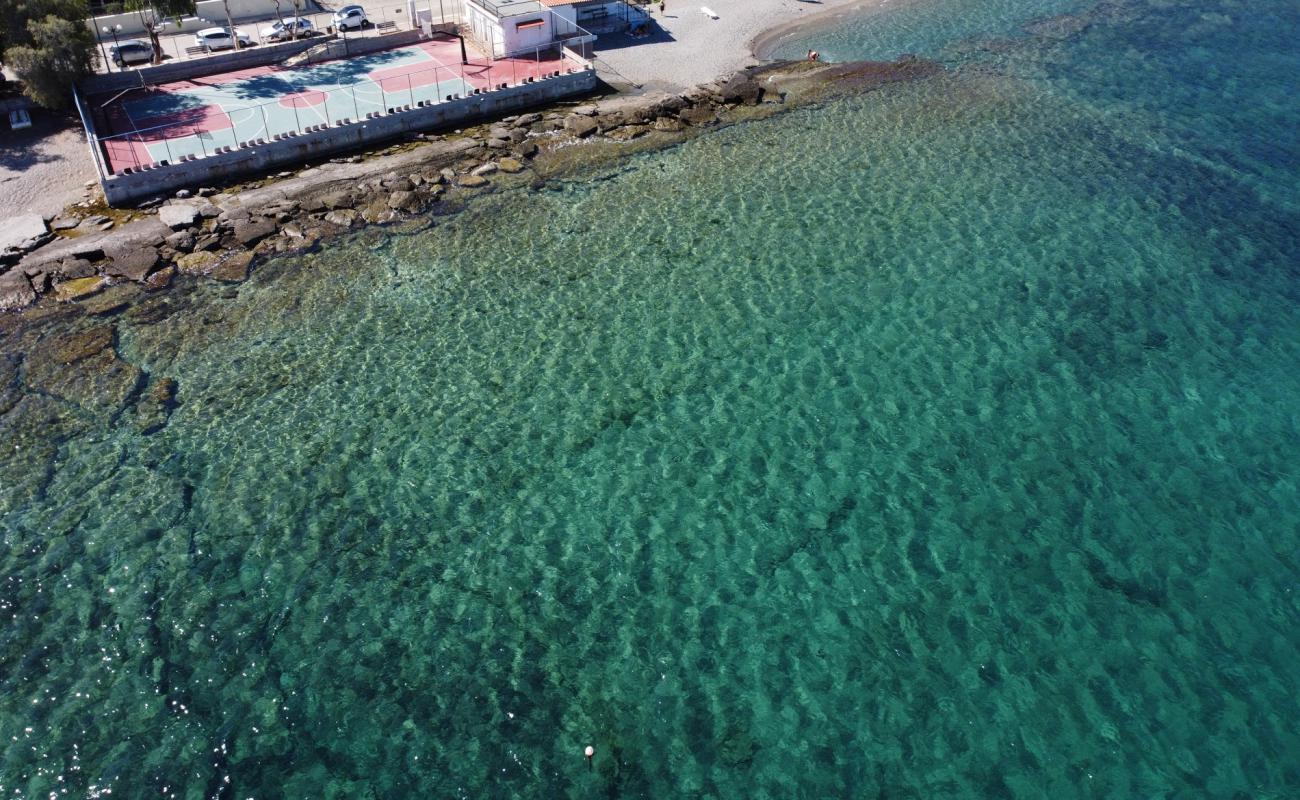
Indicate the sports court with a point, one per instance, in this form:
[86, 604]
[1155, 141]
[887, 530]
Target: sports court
[196, 117]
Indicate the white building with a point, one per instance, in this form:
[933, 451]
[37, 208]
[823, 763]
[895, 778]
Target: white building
[511, 27]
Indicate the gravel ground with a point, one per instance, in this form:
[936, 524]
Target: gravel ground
[686, 47]
[43, 168]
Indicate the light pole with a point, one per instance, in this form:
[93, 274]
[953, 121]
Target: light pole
[117, 48]
[108, 65]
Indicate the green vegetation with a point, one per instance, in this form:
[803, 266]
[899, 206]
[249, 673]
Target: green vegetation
[48, 46]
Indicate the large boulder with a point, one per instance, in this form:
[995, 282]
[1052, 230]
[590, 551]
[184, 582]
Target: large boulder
[178, 215]
[580, 125]
[132, 263]
[404, 200]
[15, 291]
[343, 217]
[250, 232]
[741, 89]
[18, 233]
[234, 268]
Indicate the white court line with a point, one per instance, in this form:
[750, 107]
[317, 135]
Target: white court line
[253, 113]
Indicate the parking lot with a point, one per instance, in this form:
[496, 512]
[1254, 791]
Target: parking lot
[384, 16]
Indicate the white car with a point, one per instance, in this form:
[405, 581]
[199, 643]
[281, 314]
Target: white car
[219, 39]
[350, 18]
[288, 28]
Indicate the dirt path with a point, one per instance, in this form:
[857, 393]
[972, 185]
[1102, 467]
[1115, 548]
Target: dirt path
[43, 168]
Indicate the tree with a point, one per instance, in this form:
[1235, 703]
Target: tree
[61, 52]
[154, 15]
[16, 14]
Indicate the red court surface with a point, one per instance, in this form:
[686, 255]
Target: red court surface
[197, 117]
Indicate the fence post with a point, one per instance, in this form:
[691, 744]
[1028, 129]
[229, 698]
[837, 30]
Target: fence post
[266, 126]
[356, 112]
[167, 142]
[410, 92]
[297, 123]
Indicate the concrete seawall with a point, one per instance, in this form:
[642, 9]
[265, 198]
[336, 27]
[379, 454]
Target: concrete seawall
[221, 167]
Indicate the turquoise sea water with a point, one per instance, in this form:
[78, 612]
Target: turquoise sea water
[937, 442]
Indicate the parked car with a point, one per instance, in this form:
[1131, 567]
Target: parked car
[219, 39]
[350, 18]
[19, 119]
[132, 51]
[287, 29]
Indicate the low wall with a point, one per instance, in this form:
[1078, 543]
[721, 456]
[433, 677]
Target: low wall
[120, 189]
[199, 67]
[242, 59]
[341, 48]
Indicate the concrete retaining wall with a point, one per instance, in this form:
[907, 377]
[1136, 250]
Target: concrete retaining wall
[243, 59]
[120, 189]
[199, 67]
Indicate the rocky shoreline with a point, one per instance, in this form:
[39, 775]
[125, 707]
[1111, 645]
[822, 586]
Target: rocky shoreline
[219, 234]
[61, 370]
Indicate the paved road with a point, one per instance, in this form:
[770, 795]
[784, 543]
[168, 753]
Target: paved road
[174, 45]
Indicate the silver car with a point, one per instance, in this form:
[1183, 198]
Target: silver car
[293, 27]
[132, 51]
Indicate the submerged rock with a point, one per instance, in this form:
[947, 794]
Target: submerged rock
[628, 133]
[200, 263]
[83, 368]
[160, 279]
[234, 268]
[155, 405]
[698, 115]
[78, 288]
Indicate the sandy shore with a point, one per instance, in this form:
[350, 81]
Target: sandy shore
[688, 48]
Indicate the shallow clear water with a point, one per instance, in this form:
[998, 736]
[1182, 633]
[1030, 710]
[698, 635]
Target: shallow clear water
[939, 442]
